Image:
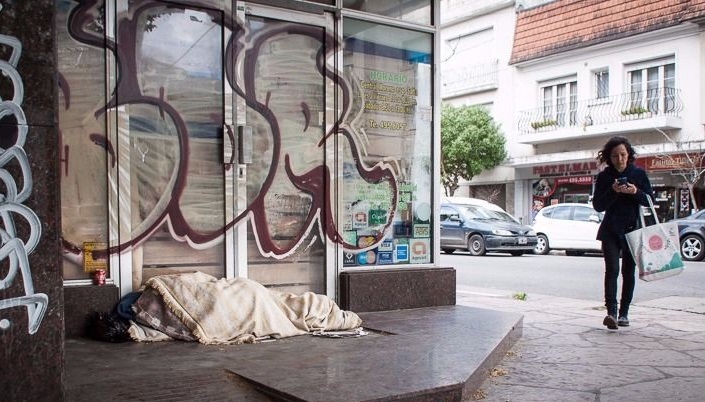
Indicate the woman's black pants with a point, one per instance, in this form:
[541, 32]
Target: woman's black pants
[614, 247]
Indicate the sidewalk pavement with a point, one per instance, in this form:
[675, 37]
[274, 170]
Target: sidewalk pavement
[566, 354]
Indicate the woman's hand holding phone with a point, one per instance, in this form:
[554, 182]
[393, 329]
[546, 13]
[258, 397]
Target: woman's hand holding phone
[622, 185]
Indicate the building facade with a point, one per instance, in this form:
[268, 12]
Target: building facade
[579, 73]
[476, 44]
[289, 142]
[587, 72]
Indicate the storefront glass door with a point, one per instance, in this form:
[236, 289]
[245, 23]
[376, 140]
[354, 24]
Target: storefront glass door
[283, 187]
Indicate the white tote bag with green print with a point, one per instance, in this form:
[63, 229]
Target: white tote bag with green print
[656, 248]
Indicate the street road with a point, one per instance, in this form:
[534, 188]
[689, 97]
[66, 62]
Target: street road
[559, 275]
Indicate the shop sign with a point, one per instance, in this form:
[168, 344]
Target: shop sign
[349, 259]
[401, 253]
[367, 258]
[566, 169]
[587, 180]
[386, 245]
[94, 256]
[671, 162]
[422, 230]
[385, 257]
[420, 251]
[377, 217]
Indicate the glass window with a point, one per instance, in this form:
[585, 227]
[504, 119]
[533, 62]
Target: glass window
[583, 213]
[446, 213]
[560, 104]
[602, 84]
[84, 196]
[561, 212]
[652, 88]
[418, 11]
[386, 153]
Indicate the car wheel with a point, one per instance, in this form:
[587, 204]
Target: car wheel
[476, 245]
[692, 248]
[517, 253]
[541, 245]
[448, 250]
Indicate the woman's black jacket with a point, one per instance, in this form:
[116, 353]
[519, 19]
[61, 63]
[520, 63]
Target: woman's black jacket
[621, 210]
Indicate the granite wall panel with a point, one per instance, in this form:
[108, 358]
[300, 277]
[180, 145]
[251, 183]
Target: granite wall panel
[395, 289]
[31, 288]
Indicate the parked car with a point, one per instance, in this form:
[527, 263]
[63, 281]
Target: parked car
[569, 226]
[479, 229]
[692, 234]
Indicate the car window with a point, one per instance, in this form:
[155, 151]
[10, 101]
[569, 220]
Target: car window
[446, 213]
[546, 212]
[583, 213]
[699, 215]
[561, 212]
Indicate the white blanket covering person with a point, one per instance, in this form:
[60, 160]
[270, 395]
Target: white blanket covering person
[239, 310]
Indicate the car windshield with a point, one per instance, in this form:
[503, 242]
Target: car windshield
[503, 216]
[482, 213]
[475, 212]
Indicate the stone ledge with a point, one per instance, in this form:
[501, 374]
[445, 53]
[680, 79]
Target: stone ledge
[396, 289]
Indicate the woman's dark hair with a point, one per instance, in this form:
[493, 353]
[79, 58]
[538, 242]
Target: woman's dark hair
[604, 154]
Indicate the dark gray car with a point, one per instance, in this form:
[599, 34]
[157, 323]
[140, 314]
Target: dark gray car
[691, 230]
[479, 229]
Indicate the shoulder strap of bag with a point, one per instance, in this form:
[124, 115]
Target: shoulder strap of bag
[653, 212]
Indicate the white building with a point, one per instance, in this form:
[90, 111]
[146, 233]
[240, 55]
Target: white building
[582, 72]
[476, 44]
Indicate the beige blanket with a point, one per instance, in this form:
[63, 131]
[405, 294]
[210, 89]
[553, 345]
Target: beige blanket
[227, 311]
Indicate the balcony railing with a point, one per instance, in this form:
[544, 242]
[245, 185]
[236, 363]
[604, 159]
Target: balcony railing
[613, 109]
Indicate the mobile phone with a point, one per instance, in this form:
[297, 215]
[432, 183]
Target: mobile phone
[622, 181]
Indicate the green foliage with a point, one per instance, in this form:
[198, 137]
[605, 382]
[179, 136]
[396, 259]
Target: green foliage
[634, 110]
[471, 141]
[543, 123]
[520, 296]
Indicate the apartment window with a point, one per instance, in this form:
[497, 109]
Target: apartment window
[560, 103]
[602, 84]
[652, 88]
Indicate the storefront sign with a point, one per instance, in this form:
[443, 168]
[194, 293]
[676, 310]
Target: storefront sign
[671, 162]
[385, 257]
[401, 253]
[566, 169]
[94, 256]
[422, 230]
[420, 251]
[587, 180]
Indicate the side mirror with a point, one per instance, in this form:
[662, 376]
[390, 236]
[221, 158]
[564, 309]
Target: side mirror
[594, 218]
[455, 218]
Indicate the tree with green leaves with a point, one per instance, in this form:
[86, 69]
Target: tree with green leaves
[471, 141]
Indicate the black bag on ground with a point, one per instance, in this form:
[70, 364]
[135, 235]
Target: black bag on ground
[109, 327]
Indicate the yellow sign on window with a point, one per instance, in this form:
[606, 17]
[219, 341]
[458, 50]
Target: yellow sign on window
[95, 256]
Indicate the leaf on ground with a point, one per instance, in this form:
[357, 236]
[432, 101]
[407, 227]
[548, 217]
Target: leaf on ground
[498, 372]
[478, 395]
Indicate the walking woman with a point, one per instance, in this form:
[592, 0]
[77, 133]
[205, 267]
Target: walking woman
[620, 189]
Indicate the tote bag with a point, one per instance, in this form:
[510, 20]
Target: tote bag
[656, 248]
